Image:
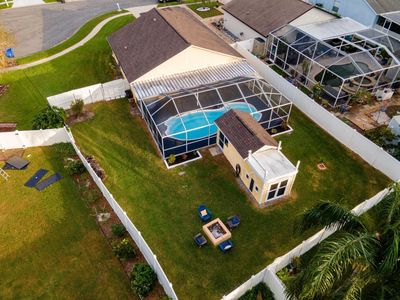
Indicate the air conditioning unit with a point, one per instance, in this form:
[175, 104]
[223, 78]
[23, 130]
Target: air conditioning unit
[259, 47]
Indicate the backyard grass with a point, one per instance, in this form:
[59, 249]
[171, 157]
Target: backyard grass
[77, 37]
[51, 247]
[163, 204]
[206, 14]
[89, 64]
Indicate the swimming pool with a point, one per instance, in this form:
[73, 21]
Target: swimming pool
[194, 120]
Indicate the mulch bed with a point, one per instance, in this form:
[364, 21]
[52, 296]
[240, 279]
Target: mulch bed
[101, 205]
[7, 127]
[84, 116]
[6, 154]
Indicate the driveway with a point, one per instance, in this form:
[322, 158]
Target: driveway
[37, 28]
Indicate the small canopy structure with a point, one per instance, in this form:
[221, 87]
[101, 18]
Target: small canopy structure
[355, 58]
[183, 121]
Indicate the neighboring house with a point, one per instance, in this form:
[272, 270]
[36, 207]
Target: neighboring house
[183, 77]
[363, 11]
[394, 125]
[389, 23]
[256, 157]
[257, 18]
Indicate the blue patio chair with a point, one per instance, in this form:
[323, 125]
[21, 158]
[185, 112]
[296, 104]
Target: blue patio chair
[200, 240]
[226, 246]
[10, 52]
[204, 213]
[233, 222]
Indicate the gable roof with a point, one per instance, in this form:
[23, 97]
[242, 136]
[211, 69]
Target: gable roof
[157, 36]
[265, 16]
[384, 6]
[244, 132]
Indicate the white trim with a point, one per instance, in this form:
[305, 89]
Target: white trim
[182, 163]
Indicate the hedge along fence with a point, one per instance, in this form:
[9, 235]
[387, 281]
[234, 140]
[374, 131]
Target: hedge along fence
[48, 137]
[98, 92]
[367, 150]
[130, 227]
[268, 275]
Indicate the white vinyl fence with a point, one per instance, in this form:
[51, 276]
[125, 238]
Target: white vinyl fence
[98, 92]
[130, 227]
[32, 138]
[47, 137]
[371, 153]
[268, 275]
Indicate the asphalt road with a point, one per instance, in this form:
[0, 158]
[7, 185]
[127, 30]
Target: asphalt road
[37, 28]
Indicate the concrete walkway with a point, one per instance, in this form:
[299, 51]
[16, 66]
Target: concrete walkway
[65, 51]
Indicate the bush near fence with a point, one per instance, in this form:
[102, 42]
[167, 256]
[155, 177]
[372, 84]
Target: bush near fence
[47, 137]
[90, 94]
[367, 150]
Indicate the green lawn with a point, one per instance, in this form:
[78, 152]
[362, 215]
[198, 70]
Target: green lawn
[4, 5]
[51, 247]
[163, 204]
[206, 14]
[78, 36]
[172, 3]
[84, 66]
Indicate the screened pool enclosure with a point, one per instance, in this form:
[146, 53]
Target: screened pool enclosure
[343, 64]
[183, 121]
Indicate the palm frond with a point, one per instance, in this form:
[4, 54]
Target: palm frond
[391, 204]
[328, 214]
[358, 282]
[334, 259]
[390, 245]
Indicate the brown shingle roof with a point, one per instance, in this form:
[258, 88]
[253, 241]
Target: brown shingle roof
[157, 36]
[265, 16]
[244, 132]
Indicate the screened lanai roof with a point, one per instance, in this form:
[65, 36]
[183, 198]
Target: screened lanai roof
[393, 16]
[196, 108]
[356, 49]
[168, 84]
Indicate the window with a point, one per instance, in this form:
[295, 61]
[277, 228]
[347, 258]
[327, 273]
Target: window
[380, 21]
[277, 189]
[335, 7]
[221, 140]
[247, 176]
[256, 188]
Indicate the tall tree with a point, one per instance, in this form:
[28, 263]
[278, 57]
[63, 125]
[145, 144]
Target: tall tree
[357, 261]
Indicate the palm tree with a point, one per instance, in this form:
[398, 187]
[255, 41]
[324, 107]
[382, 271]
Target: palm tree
[355, 261]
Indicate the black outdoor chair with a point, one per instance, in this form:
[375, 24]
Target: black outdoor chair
[233, 222]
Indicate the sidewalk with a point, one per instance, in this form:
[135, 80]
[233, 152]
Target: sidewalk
[24, 3]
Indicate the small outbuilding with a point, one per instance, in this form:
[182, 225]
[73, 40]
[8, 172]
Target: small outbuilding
[256, 157]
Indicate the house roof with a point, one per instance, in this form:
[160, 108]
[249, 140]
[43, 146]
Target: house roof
[157, 36]
[244, 132]
[384, 6]
[265, 16]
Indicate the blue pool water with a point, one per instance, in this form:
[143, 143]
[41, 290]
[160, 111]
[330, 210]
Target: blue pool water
[194, 120]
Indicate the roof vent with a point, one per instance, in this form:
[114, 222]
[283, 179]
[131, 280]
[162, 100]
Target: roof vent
[154, 19]
[126, 47]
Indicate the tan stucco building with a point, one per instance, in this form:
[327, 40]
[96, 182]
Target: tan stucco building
[256, 157]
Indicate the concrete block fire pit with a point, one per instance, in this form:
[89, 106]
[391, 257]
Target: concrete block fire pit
[216, 232]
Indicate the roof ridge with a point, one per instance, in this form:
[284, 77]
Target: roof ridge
[170, 25]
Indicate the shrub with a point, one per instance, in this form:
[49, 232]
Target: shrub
[362, 96]
[381, 136]
[317, 90]
[50, 117]
[92, 195]
[118, 230]
[171, 159]
[74, 167]
[65, 149]
[143, 279]
[259, 290]
[77, 107]
[123, 249]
